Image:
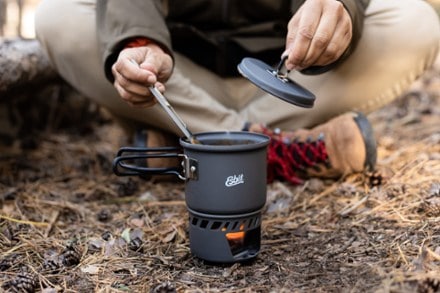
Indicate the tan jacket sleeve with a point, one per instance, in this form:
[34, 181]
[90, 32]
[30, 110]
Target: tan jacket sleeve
[119, 20]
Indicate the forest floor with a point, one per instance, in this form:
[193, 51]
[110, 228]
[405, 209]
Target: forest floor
[68, 224]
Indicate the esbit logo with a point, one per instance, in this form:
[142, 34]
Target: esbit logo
[234, 180]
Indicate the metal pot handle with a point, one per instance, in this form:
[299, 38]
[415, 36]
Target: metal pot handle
[123, 167]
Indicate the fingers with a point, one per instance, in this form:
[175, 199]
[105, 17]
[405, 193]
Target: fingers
[318, 34]
[131, 82]
[301, 30]
[321, 38]
[336, 46]
[136, 70]
[131, 92]
[160, 66]
[125, 80]
[137, 100]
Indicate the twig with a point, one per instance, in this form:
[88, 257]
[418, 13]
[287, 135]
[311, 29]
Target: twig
[433, 254]
[403, 218]
[402, 255]
[65, 204]
[23, 221]
[52, 222]
[146, 202]
[275, 241]
[328, 190]
[284, 189]
[348, 210]
[10, 251]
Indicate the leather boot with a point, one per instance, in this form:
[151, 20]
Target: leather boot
[152, 138]
[343, 145]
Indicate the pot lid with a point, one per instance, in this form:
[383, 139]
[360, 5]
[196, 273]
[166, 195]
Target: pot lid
[275, 82]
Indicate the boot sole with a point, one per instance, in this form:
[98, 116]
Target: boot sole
[369, 140]
[140, 140]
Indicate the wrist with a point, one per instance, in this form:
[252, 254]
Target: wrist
[137, 42]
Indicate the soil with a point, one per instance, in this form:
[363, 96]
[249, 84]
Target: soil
[68, 224]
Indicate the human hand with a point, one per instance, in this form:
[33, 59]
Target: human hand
[318, 34]
[136, 69]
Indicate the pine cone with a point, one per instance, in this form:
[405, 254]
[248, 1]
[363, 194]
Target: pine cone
[165, 287]
[70, 256]
[23, 282]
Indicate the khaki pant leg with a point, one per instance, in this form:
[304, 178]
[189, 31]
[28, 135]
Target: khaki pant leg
[399, 42]
[67, 31]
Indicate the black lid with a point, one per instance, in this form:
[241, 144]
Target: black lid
[276, 84]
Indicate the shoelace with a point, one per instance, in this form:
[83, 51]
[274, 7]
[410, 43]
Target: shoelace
[286, 159]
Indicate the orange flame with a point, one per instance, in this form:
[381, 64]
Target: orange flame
[235, 236]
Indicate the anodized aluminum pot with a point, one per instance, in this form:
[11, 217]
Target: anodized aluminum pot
[227, 172]
[224, 173]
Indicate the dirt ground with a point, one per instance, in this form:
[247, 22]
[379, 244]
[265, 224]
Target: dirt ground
[68, 224]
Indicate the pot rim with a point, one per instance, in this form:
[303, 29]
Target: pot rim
[255, 141]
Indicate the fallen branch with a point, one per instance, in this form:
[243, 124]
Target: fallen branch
[23, 63]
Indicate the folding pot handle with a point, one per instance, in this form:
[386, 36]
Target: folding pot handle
[131, 161]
